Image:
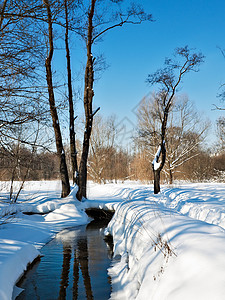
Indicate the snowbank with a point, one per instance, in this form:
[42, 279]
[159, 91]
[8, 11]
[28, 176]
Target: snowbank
[205, 201]
[14, 257]
[165, 255]
[23, 235]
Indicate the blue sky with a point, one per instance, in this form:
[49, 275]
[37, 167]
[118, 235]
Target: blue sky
[134, 51]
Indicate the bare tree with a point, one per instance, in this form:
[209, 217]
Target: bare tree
[221, 94]
[169, 79]
[100, 19]
[73, 151]
[53, 110]
[107, 160]
[20, 92]
[185, 131]
[27, 169]
[101, 142]
[19, 54]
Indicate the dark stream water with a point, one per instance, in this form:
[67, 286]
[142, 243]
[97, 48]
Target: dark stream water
[74, 266]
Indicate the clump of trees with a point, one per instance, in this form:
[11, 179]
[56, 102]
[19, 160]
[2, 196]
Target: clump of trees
[108, 161]
[40, 166]
[30, 31]
[33, 104]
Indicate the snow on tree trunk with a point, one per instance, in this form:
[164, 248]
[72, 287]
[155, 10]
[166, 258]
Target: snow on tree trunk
[158, 166]
[156, 170]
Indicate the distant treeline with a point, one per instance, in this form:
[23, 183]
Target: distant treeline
[109, 164]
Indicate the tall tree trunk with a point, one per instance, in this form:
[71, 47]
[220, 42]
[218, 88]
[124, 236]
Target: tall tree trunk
[171, 176]
[73, 151]
[54, 115]
[82, 179]
[161, 152]
[14, 171]
[88, 98]
[156, 181]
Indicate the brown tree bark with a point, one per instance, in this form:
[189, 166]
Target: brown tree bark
[53, 110]
[156, 181]
[88, 99]
[171, 176]
[73, 151]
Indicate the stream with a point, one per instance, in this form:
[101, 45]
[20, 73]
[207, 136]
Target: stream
[74, 266]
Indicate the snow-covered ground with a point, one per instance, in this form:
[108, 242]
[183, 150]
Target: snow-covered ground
[169, 246]
[164, 254]
[22, 236]
[204, 202]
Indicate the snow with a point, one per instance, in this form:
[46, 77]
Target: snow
[155, 162]
[204, 202]
[22, 236]
[166, 246]
[14, 257]
[162, 249]
[165, 255]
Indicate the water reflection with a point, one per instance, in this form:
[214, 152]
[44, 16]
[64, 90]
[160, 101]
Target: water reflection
[83, 262]
[75, 275]
[74, 266]
[80, 262]
[65, 272]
